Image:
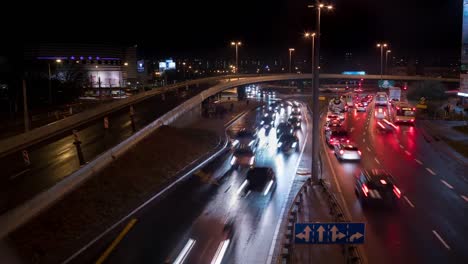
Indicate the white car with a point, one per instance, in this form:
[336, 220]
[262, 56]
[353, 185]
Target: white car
[347, 151]
[360, 107]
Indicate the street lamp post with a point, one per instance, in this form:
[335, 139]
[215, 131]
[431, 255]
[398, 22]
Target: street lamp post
[381, 46]
[236, 44]
[50, 80]
[315, 96]
[312, 36]
[290, 54]
[386, 61]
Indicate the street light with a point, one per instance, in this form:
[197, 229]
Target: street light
[236, 44]
[290, 54]
[381, 46]
[50, 80]
[312, 36]
[315, 94]
[386, 61]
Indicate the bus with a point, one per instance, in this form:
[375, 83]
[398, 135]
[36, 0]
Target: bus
[381, 99]
[402, 112]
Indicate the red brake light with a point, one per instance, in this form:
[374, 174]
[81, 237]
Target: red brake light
[347, 141]
[396, 191]
[414, 108]
[412, 120]
[398, 108]
[341, 152]
[359, 152]
[365, 190]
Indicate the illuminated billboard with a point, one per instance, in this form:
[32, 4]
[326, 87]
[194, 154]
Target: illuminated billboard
[167, 65]
[464, 51]
[464, 55]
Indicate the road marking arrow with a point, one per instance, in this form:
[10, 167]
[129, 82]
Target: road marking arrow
[305, 234]
[320, 230]
[336, 234]
[357, 235]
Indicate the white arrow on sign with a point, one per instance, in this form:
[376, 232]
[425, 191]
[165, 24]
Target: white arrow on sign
[320, 230]
[305, 234]
[336, 234]
[357, 235]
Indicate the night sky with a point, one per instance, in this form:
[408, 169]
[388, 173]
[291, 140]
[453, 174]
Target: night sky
[267, 28]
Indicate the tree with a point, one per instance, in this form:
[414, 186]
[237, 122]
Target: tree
[431, 90]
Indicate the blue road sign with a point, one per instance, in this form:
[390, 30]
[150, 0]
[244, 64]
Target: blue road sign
[329, 233]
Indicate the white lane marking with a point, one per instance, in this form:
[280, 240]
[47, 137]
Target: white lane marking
[376, 160]
[464, 198]
[447, 184]
[248, 193]
[283, 207]
[220, 252]
[185, 251]
[401, 146]
[368, 149]
[407, 152]
[418, 161]
[430, 171]
[12, 177]
[363, 140]
[408, 201]
[440, 239]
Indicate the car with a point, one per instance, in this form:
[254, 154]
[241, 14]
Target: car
[246, 138]
[267, 122]
[296, 110]
[333, 124]
[269, 113]
[295, 122]
[336, 136]
[380, 112]
[243, 157]
[364, 101]
[332, 116]
[347, 151]
[284, 128]
[259, 179]
[360, 107]
[376, 186]
[288, 143]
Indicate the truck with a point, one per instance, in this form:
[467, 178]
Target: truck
[394, 94]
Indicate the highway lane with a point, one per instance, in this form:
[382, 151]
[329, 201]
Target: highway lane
[55, 158]
[198, 208]
[427, 212]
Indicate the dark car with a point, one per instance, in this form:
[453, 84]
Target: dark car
[284, 128]
[288, 143]
[260, 179]
[376, 186]
[336, 136]
[243, 157]
[246, 138]
[267, 122]
[295, 122]
[333, 124]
